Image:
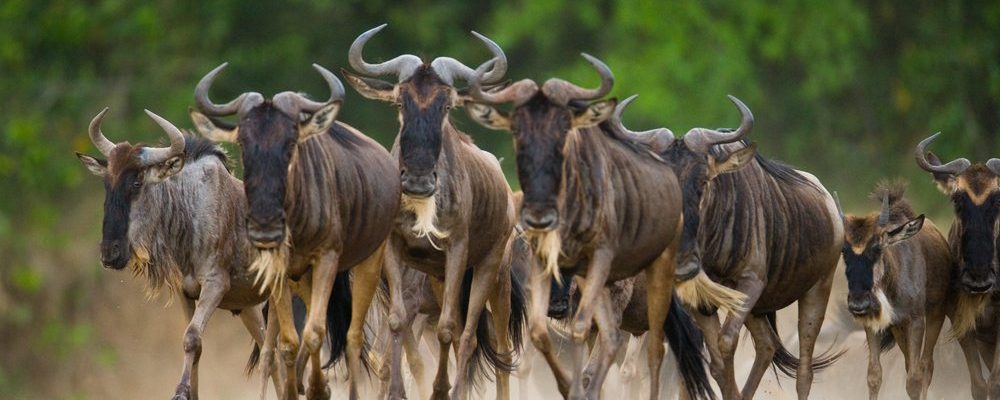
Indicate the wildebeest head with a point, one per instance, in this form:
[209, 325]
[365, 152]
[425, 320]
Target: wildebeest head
[127, 172]
[540, 121]
[696, 164]
[424, 94]
[975, 195]
[269, 132]
[867, 240]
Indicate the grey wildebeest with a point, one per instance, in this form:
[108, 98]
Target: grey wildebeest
[974, 190]
[598, 206]
[756, 225]
[175, 216]
[457, 216]
[322, 198]
[900, 273]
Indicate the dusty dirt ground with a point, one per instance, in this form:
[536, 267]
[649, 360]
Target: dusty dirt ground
[145, 339]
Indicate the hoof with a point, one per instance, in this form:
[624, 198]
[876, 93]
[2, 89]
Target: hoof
[321, 392]
[183, 392]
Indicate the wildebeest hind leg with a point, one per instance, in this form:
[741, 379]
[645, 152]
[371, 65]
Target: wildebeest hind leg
[609, 340]
[970, 349]
[660, 285]
[764, 347]
[366, 278]
[994, 381]
[209, 298]
[484, 281]
[729, 336]
[253, 320]
[812, 311]
[500, 306]
[935, 320]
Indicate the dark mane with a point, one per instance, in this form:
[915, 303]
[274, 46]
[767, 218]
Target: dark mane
[778, 170]
[344, 137]
[899, 207]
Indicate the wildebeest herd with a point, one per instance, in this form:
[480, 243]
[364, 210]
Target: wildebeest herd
[687, 240]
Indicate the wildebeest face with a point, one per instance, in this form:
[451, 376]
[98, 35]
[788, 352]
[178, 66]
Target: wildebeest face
[127, 173]
[975, 195]
[976, 199]
[864, 252]
[269, 140]
[423, 100]
[540, 127]
[695, 170]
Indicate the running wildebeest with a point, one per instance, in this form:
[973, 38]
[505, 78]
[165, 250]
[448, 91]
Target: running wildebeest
[761, 227]
[322, 198]
[457, 212]
[900, 272]
[175, 216]
[601, 207]
[975, 195]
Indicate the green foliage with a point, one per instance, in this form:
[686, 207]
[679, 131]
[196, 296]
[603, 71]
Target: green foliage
[841, 88]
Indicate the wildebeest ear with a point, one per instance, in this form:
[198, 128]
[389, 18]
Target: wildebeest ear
[213, 130]
[95, 166]
[595, 113]
[371, 88]
[904, 231]
[945, 182]
[733, 162]
[321, 120]
[166, 169]
[487, 116]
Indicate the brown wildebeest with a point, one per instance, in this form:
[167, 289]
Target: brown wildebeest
[772, 232]
[975, 195]
[175, 216]
[901, 290]
[598, 206]
[322, 197]
[457, 213]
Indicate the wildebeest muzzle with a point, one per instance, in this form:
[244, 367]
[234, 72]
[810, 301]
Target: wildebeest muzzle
[268, 233]
[419, 185]
[863, 304]
[978, 280]
[114, 254]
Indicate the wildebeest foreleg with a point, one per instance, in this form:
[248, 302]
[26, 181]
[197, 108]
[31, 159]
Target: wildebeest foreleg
[970, 350]
[501, 313]
[609, 341]
[874, 363]
[729, 337]
[812, 311]
[366, 278]
[398, 319]
[484, 284]
[541, 288]
[764, 347]
[935, 320]
[597, 276]
[456, 260]
[212, 290]
[288, 342]
[660, 285]
[271, 364]
[994, 381]
[317, 380]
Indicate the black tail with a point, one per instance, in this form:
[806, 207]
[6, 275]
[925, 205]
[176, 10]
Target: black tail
[255, 353]
[887, 341]
[485, 356]
[338, 318]
[788, 364]
[518, 312]
[687, 342]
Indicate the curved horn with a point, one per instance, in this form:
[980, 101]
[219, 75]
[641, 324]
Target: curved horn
[658, 139]
[403, 66]
[952, 168]
[563, 92]
[448, 69]
[883, 214]
[994, 165]
[301, 104]
[840, 210]
[220, 110]
[703, 139]
[97, 137]
[517, 93]
[156, 155]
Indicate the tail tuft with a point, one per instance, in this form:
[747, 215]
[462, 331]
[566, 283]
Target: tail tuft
[886, 342]
[787, 363]
[255, 353]
[700, 292]
[687, 342]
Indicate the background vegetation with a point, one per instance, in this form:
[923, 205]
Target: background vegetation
[841, 88]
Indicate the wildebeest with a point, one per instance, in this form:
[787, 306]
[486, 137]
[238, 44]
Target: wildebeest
[974, 190]
[761, 227]
[594, 204]
[175, 216]
[322, 197]
[899, 274]
[457, 212]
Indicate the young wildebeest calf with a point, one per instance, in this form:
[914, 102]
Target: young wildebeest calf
[175, 216]
[899, 289]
